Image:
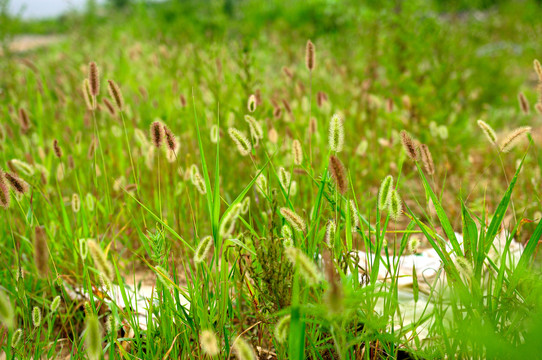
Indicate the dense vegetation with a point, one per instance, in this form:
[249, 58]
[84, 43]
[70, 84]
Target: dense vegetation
[269, 190]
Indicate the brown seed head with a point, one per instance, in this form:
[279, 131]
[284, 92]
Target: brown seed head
[86, 94]
[109, 106]
[321, 98]
[41, 251]
[409, 145]
[92, 147]
[4, 191]
[313, 126]
[310, 57]
[523, 103]
[157, 133]
[427, 159]
[171, 142]
[288, 72]
[94, 79]
[24, 121]
[17, 184]
[277, 112]
[338, 173]
[183, 100]
[57, 149]
[287, 106]
[115, 93]
[71, 162]
[538, 69]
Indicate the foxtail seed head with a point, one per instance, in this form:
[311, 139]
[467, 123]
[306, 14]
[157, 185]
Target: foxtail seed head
[87, 96]
[284, 178]
[157, 133]
[251, 105]
[261, 184]
[427, 159]
[116, 94]
[94, 79]
[538, 69]
[209, 343]
[514, 138]
[5, 198]
[90, 202]
[313, 126]
[16, 338]
[227, 225]
[330, 232]
[243, 350]
[110, 107]
[282, 329]
[409, 145]
[24, 121]
[245, 205]
[17, 184]
[57, 149]
[6, 310]
[21, 167]
[171, 141]
[36, 316]
[355, 215]
[338, 173]
[286, 232]
[93, 338]
[41, 251]
[488, 131]
[413, 245]
[297, 152]
[214, 133]
[384, 194]
[111, 325]
[76, 203]
[163, 276]
[255, 127]
[310, 56]
[198, 182]
[100, 260]
[92, 147]
[83, 248]
[336, 134]
[523, 103]
[203, 249]
[241, 141]
[307, 268]
[293, 219]
[395, 207]
[197, 179]
[55, 303]
[464, 266]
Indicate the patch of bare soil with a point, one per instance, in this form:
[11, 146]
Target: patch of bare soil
[25, 43]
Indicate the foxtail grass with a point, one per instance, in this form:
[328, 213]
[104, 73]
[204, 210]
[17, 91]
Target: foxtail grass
[338, 174]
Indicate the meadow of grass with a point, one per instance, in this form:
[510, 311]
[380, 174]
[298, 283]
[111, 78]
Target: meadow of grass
[259, 166]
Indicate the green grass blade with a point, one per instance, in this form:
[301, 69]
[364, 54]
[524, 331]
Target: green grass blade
[498, 217]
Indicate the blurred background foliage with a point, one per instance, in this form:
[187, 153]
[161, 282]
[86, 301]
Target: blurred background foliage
[452, 61]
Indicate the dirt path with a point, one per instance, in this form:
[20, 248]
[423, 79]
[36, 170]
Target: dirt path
[24, 43]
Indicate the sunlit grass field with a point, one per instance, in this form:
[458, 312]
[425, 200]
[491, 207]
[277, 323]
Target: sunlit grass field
[319, 179]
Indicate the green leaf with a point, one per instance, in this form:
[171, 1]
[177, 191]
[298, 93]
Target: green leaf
[496, 221]
[441, 214]
[470, 233]
[526, 256]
